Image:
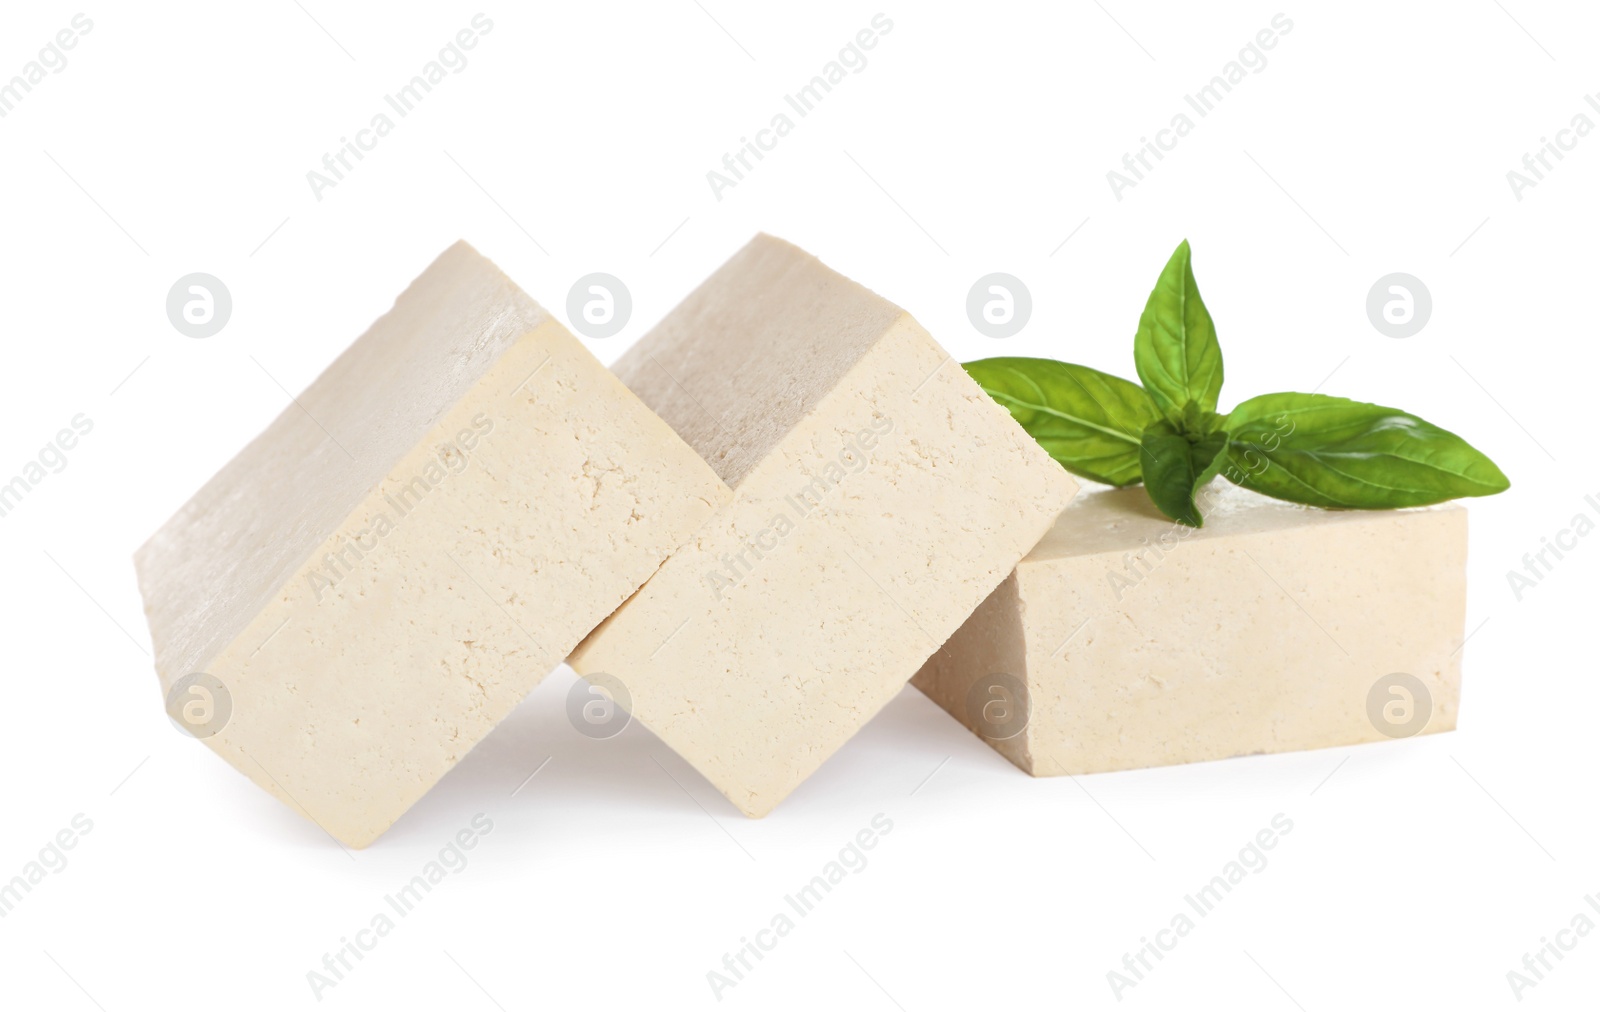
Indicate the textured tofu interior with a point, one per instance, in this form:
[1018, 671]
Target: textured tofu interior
[216, 563]
[752, 351]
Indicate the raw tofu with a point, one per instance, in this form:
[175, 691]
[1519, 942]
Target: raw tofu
[1124, 640]
[879, 496]
[379, 577]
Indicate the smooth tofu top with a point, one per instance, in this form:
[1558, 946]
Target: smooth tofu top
[1103, 519]
[754, 349]
[217, 562]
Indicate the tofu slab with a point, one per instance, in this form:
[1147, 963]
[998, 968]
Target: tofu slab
[878, 497]
[1125, 641]
[379, 577]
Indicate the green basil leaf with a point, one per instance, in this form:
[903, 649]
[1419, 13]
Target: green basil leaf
[1089, 421]
[1197, 422]
[1175, 349]
[1175, 468]
[1328, 451]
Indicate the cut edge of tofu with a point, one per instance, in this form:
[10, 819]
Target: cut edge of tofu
[167, 564]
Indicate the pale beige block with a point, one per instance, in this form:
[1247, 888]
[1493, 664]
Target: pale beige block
[1127, 641]
[879, 496]
[406, 551]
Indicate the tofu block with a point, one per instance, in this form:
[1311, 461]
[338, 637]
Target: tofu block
[878, 497]
[1124, 640]
[380, 576]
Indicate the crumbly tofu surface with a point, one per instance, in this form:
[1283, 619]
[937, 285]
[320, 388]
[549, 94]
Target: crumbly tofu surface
[380, 576]
[878, 497]
[1127, 641]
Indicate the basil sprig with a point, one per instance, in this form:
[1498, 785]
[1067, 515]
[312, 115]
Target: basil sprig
[1305, 448]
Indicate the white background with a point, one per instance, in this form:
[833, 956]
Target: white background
[577, 139]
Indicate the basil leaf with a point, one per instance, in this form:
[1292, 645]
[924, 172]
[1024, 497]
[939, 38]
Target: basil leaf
[1089, 421]
[1333, 452]
[1199, 423]
[1175, 468]
[1175, 349]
